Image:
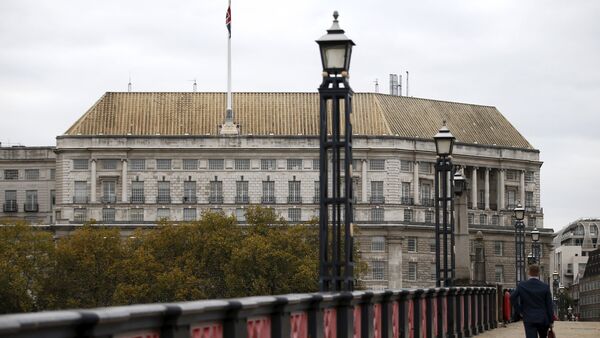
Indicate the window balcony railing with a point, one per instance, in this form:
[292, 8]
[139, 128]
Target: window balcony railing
[138, 199]
[407, 200]
[163, 199]
[377, 199]
[109, 199]
[427, 202]
[480, 205]
[268, 199]
[493, 206]
[294, 199]
[31, 207]
[530, 208]
[10, 206]
[215, 199]
[244, 199]
[81, 199]
[189, 200]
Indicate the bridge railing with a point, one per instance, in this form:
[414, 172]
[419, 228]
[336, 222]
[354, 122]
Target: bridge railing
[406, 313]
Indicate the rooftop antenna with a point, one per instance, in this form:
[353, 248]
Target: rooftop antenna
[376, 85]
[194, 85]
[129, 84]
[400, 85]
[407, 83]
[394, 84]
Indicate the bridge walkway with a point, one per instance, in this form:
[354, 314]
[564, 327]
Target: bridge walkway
[562, 329]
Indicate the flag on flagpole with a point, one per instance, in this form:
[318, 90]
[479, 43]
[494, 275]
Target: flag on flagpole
[228, 19]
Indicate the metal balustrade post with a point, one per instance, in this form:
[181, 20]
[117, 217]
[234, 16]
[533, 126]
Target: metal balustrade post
[430, 298]
[442, 293]
[459, 312]
[315, 317]
[480, 310]
[474, 309]
[387, 311]
[403, 298]
[451, 319]
[234, 326]
[495, 305]
[345, 315]
[366, 315]
[467, 312]
[280, 319]
[417, 313]
[486, 308]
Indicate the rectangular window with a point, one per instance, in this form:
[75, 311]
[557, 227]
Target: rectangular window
[294, 214]
[294, 164]
[241, 192]
[294, 192]
[378, 244]
[483, 219]
[164, 192]
[377, 215]
[109, 164]
[269, 164]
[529, 199]
[432, 245]
[529, 176]
[189, 192]
[268, 192]
[216, 192]
[412, 271]
[52, 197]
[408, 215]
[412, 244]
[137, 192]
[377, 192]
[426, 198]
[428, 216]
[108, 215]
[511, 199]
[495, 219]
[163, 164]
[377, 164]
[189, 214]
[317, 195]
[378, 270]
[109, 192]
[499, 273]
[11, 174]
[425, 168]
[316, 164]
[136, 215]
[80, 164]
[163, 214]
[31, 201]
[499, 248]
[52, 174]
[216, 164]
[406, 198]
[190, 164]
[511, 175]
[433, 270]
[471, 218]
[32, 174]
[80, 215]
[81, 192]
[137, 164]
[531, 221]
[406, 166]
[242, 164]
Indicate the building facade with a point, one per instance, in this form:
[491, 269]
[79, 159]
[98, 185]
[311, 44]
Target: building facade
[589, 289]
[136, 158]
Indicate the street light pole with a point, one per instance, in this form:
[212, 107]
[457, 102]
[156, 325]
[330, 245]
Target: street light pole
[519, 213]
[535, 244]
[555, 283]
[336, 267]
[444, 273]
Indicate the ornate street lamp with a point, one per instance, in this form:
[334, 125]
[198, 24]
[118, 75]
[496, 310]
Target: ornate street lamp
[519, 213]
[555, 284]
[336, 265]
[535, 244]
[444, 228]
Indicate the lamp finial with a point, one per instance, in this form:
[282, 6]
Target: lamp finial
[335, 15]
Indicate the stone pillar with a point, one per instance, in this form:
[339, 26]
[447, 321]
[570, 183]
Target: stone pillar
[501, 205]
[522, 187]
[394, 244]
[364, 182]
[474, 188]
[461, 248]
[124, 180]
[416, 183]
[487, 188]
[93, 181]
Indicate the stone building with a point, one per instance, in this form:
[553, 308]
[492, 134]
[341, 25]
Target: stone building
[589, 289]
[135, 158]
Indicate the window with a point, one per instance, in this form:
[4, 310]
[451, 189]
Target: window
[242, 164]
[137, 164]
[294, 214]
[412, 244]
[483, 219]
[52, 197]
[499, 273]
[428, 216]
[412, 271]
[80, 164]
[240, 214]
[164, 192]
[406, 166]
[268, 192]
[294, 192]
[241, 192]
[31, 200]
[377, 192]
[137, 192]
[511, 175]
[32, 174]
[109, 164]
[426, 199]
[163, 164]
[80, 215]
[108, 215]
[499, 248]
[531, 221]
[433, 271]
[529, 199]
[216, 164]
[190, 164]
[378, 244]
[432, 245]
[189, 214]
[136, 215]
[268, 164]
[317, 195]
[81, 192]
[495, 220]
[109, 192]
[378, 270]
[406, 199]
[189, 192]
[163, 214]
[11, 174]
[377, 164]
[377, 215]
[529, 176]
[408, 215]
[594, 230]
[471, 219]
[294, 164]
[52, 174]
[425, 168]
[316, 164]
[216, 192]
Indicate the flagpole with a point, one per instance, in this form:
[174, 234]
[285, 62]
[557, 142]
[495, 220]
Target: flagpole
[229, 114]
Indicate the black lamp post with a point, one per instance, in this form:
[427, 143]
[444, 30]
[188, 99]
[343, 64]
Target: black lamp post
[444, 228]
[555, 284]
[336, 266]
[535, 245]
[519, 213]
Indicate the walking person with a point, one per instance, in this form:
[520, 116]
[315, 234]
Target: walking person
[533, 302]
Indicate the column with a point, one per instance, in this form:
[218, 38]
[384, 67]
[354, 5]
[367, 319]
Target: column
[93, 181]
[501, 205]
[487, 189]
[522, 187]
[416, 183]
[364, 181]
[474, 188]
[124, 180]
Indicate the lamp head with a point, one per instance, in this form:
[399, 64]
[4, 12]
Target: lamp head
[444, 141]
[519, 212]
[336, 49]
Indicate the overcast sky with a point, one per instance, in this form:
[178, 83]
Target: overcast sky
[536, 61]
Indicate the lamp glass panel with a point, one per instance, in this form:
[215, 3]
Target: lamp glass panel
[519, 214]
[443, 146]
[335, 56]
[535, 236]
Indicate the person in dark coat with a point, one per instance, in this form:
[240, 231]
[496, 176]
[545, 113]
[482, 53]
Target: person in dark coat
[533, 302]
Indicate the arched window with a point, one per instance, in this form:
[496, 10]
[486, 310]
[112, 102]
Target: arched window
[579, 230]
[594, 230]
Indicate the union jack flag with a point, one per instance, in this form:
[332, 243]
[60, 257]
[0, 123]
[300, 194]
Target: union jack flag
[228, 19]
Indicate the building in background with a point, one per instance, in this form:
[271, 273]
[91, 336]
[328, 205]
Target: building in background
[589, 289]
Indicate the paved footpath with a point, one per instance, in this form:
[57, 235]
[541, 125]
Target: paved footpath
[562, 329]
